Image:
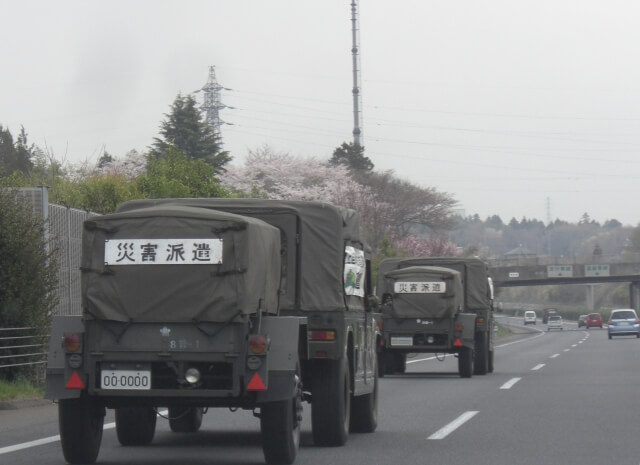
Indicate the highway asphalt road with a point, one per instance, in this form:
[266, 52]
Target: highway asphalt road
[562, 397]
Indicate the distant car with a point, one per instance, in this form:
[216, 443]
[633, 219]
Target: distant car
[594, 320]
[623, 322]
[582, 321]
[554, 322]
[529, 317]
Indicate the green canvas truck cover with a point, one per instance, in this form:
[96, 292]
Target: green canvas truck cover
[474, 273]
[178, 264]
[422, 291]
[316, 276]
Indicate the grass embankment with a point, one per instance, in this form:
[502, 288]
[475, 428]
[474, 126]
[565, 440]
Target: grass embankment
[502, 331]
[19, 389]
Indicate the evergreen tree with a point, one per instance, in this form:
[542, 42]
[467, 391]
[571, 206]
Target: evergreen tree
[352, 156]
[14, 156]
[185, 130]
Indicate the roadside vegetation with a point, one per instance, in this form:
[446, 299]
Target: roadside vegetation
[19, 389]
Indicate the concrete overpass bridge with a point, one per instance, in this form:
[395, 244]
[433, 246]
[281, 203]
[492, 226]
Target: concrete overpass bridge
[544, 271]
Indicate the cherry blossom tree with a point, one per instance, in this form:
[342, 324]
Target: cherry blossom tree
[439, 246]
[389, 207]
[276, 175]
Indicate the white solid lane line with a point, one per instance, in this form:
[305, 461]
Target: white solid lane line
[27, 445]
[41, 442]
[510, 383]
[537, 367]
[50, 439]
[454, 425]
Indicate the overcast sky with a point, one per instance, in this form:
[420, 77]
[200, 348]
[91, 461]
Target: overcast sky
[516, 108]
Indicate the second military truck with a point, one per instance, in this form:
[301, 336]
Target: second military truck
[436, 305]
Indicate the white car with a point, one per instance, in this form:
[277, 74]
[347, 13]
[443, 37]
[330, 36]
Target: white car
[529, 317]
[554, 322]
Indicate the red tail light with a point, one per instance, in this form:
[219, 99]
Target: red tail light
[322, 335]
[72, 342]
[257, 344]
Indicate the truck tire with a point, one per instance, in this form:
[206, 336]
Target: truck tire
[389, 363]
[481, 362]
[331, 402]
[81, 423]
[135, 426]
[381, 356]
[465, 362]
[280, 428]
[400, 363]
[185, 420]
[364, 409]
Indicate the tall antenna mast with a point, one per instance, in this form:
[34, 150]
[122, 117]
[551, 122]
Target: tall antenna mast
[355, 53]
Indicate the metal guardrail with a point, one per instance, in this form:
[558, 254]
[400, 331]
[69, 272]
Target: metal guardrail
[21, 347]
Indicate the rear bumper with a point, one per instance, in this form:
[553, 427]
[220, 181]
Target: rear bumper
[623, 330]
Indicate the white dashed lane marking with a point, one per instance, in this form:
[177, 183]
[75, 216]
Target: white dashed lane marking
[509, 384]
[454, 425]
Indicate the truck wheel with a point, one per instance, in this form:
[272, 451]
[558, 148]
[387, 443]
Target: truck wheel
[465, 362]
[331, 402]
[135, 426]
[280, 428]
[389, 363]
[364, 409]
[400, 363]
[80, 422]
[481, 362]
[381, 364]
[185, 420]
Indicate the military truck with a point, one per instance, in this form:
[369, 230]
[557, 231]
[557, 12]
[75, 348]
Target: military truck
[436, 305]
[325, 278]
[180, 311]
[280, 315]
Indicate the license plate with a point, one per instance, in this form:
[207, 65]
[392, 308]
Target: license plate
[402, 341]
[125, 379]
[624, 323]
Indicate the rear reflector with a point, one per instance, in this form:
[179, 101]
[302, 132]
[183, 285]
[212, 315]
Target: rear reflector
[457, 343]
[256, 383]
[75, 382]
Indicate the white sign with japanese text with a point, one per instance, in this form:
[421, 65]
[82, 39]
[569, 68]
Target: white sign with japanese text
[432, 287]
[354, 268]
[163, 252]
